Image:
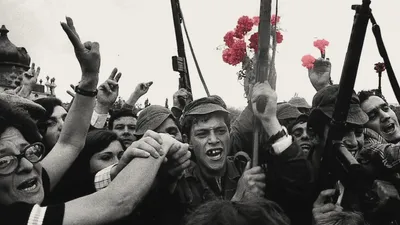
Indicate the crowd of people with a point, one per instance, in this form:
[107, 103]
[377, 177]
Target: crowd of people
[193, 164]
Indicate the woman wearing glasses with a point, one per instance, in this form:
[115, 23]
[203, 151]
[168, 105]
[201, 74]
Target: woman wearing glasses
[26, 177]
[24, 182]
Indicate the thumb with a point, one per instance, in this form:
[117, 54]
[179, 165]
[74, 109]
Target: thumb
[95, 47]
[323, 196]
[247, 166]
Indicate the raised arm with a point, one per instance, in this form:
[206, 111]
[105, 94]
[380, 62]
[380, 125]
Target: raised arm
[140, 90]
[125, 192]
[73, 135]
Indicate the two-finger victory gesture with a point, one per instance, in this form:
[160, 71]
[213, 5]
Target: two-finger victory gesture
[88, 55]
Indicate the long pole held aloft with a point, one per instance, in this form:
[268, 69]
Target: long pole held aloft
[264, 35]
[180, 62]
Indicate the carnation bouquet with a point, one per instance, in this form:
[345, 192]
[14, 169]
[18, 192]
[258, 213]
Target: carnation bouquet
[309, 60]
[241, 44]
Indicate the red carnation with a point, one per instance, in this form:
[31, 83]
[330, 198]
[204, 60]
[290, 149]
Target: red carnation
[279, 37]
[275, 19]
[308, 61]
[245, 24]
[229, 38]
[235, 54]
[254, 42]
[256, 20]
[321, 45]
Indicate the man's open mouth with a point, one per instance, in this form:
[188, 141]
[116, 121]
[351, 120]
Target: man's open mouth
[389, 129]
[214, 154]
[28, 185]
[306, 147]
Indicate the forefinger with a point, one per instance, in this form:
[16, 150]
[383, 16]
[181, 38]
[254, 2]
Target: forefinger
[74, 39]
[37, 72]
[118, 76]
[112, 75]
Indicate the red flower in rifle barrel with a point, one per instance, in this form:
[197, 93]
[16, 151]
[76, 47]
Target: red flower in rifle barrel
[380, 67]
[321, 45]
[245, 24]
[308, 61]
[275, 19]
[254, 42]
[229, 38]
[235, 54]
[279, 37]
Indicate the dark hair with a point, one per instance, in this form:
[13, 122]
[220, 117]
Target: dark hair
[78, 181]
[224, 212]
[118, 114]
[287, 122]
[191, 120]
[317, 121]
[48, 104]
[19, 120]
[365, 94]
[300, 119]
[343, 218]
[97, 140]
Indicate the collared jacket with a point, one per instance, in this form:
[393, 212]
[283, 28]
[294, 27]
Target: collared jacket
[194, 189]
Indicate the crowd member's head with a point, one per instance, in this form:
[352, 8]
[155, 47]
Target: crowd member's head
[159, 119]
[205, 124]
[51, 124]
[298, 129]
[20, 153]
[103, 148]
[381, 118]
[321, 115]
[287, 114]
[300, 103]
[123, 123]
[223, 212]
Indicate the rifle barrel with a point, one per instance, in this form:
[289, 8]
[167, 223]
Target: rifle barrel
[346, 85]
[184, 80]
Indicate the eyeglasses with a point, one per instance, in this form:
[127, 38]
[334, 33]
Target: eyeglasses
[33, 153]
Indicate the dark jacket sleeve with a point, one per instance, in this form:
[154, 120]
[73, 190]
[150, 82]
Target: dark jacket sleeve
[19, 213]
[290, 182]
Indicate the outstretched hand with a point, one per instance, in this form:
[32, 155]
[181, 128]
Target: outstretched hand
[264, 89]
[251, 184]
[30, 77]
[142, 88]
[181, 98]
[324, 209]
[320, 74]
[108, 91]
[88, 55]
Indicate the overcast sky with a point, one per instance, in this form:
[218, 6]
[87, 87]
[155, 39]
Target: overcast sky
[138, 38]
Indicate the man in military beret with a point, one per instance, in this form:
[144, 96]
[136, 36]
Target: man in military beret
[205, 125]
